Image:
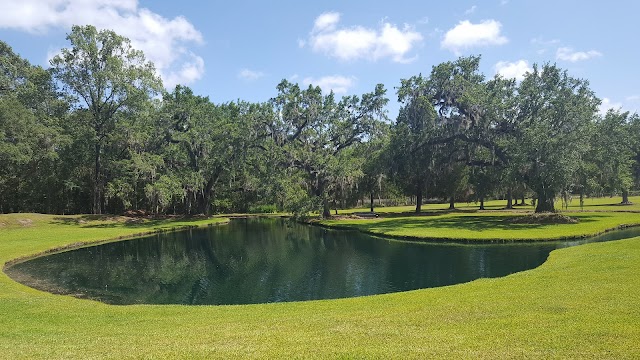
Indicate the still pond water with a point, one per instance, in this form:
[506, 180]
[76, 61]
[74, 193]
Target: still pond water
[272, 260]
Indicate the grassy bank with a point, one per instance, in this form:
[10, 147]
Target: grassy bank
[486, 226]
[583, 302]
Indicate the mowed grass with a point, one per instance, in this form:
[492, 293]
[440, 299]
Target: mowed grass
[486, 226]
[590, 204]
[584, 302]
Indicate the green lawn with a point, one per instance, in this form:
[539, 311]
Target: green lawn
[584, 302]
[590, 204]
[486, 225]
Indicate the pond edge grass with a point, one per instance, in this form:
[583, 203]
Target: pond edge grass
[438, 240]
[81, 244]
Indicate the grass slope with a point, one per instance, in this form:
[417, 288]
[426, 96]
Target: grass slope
[584, 302]
[486, 226]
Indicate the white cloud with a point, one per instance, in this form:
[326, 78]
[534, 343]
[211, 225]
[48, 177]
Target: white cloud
[608, 104]
[633, 98]
[466, 35]
[250, 75]
[362, 43]
[511, 70]
[567, 54]
[189, 72]
[470, 10]
[336, 83]
[164, 41]
[326, 22]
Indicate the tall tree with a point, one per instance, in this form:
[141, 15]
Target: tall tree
[412, 160]
[31, 112]
[107, 78]
[555, 111]
[208, 146]
[312, 130]
[374, 152]
[612, 152]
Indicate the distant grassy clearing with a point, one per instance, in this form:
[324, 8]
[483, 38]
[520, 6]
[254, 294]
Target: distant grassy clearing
[590, 204]
[487, 226]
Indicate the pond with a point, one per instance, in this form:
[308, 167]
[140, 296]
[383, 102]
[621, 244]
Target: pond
[272, 260]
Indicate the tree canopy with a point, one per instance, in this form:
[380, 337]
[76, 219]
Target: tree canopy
[97, 133]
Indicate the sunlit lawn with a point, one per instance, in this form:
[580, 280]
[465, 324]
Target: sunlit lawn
[583, 302]
[486, 225]
[590, 204]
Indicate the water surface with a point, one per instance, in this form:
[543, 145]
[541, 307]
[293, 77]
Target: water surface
[268, 260]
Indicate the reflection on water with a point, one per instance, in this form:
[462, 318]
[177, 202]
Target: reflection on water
[266, 260]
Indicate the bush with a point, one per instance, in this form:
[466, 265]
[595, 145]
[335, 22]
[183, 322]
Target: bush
[263, 209]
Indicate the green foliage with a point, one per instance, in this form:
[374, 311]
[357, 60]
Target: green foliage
[107, 79]
[30, 135]
[611, 152]
[312, 131]
[555, 111]
[263, 209]
[104, 142]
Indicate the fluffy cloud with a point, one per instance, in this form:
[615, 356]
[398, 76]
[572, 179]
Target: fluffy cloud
[567, 54]
[164, 41]
[336, 83]
[389, 41]
[189, 72]
[608, 104]
[466, 35]
[250, 75]
[511, 70]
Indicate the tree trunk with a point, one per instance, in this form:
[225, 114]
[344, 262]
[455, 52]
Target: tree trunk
[371, 205]
[205, 206]
[452, 203]
[581, 199]
[509, 199]
[419, 198]
[326, 210]
[482, 203]
[522, 202]
[545, 203]
[625, 196]
[97, 209]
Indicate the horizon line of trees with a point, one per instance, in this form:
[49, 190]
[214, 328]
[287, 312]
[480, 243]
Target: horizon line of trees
[97, 133]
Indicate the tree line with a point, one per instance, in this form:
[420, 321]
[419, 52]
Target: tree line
[97, 133]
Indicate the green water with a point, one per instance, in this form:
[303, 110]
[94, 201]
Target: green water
[266, 260]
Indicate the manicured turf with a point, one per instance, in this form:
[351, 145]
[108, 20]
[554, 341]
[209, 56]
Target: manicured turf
[486, 226]
[584, 302]
[590, 204]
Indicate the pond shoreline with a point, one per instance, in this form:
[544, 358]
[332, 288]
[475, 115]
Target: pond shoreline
[439, 240]
[82, 244]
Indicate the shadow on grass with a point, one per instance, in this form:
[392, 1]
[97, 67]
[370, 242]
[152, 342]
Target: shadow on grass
[469, 222]
[115, 221]
[620, 204]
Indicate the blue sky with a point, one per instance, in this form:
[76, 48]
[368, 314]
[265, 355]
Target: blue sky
[230, 50]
